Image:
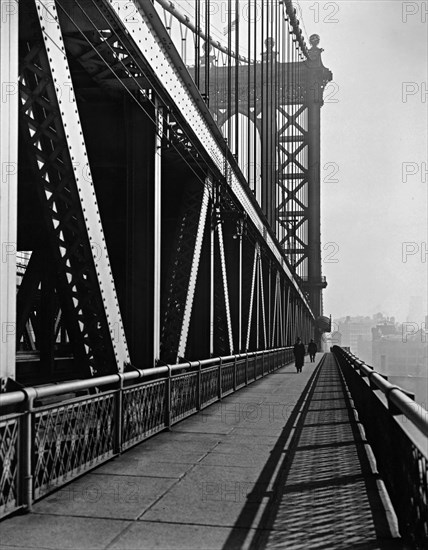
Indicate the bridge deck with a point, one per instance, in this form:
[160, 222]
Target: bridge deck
[281, 464]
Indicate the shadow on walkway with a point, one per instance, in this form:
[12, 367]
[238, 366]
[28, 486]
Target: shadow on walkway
[325, 493]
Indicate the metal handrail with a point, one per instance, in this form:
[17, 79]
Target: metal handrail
[396, 428]
[105, 424]
[38, 392]
[394, 394]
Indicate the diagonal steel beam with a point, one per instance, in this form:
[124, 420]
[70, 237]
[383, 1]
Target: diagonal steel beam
[262, 297]
[225, 287]
[193, 274]
[253, 284]
[63, 93]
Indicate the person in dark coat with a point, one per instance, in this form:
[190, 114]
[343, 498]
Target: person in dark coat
[299, 354]
[312, 349]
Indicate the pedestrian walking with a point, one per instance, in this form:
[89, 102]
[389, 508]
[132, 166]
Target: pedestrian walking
[299, 354]
[312, 349]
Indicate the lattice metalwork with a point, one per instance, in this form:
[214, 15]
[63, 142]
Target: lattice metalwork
[183, 395]
[56, 183]
[108, 57]
[143, 412]
[71, 439]
[252, 368]
[227, 378]
[259, 367]
[209, 385]
[293, 176]
[240, 373]
[9, 476]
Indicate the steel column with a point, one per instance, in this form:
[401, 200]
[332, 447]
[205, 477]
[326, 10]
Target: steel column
[240, 296]
[8, 185]
[314, 206]
[157, 196]
[212, 260]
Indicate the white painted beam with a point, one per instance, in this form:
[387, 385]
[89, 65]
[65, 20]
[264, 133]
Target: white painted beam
[8, 184]
[51, 30]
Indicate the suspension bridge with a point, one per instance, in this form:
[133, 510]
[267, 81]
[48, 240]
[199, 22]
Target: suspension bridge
[161, 250]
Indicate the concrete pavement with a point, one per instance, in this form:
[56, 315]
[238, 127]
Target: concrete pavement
[279, 464]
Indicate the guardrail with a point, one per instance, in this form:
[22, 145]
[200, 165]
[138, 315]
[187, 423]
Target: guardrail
[397, 430]
[44, 446]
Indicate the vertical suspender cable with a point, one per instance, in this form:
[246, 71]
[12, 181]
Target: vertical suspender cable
[197, 41]
[262, 102]
[207, 51]
[229, 71]
[248, 151]
[256, 166]
[293, 148]
[238, 20]
[289, 143]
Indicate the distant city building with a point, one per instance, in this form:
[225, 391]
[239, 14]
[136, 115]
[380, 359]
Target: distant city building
[416, 310]
[400, 351]
[404, 359]
[356, 333]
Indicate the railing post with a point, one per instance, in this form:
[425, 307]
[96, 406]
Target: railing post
[220, 391]
[199, 387]
[168, 394]
[27, 450]
[119, 416]
[246, 369]
[235, 368]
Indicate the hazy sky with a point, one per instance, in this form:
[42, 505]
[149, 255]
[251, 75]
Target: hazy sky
[369, 130]
[374, 150]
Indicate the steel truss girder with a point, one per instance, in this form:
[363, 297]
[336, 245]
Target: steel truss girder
[65, 187]
[151, 39]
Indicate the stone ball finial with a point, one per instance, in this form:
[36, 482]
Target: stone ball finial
[269, 43]
[314, 40]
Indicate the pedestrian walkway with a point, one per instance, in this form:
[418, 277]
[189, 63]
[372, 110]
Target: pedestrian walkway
[280, 464]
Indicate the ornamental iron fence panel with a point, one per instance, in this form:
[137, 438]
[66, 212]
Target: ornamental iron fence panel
[143, 412]
[48, 438]
[71, 439]
[9, 459]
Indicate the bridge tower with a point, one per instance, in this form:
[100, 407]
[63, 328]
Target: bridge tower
[300, 210]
